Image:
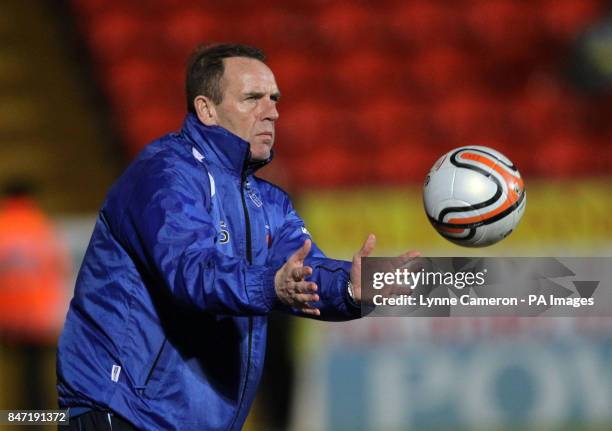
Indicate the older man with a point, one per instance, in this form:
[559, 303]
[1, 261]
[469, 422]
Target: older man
[190, 252]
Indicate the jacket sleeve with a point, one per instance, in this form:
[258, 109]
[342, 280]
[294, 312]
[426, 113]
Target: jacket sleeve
[170, 231]
[330, 275]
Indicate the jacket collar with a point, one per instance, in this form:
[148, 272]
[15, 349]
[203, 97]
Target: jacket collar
[220, 146]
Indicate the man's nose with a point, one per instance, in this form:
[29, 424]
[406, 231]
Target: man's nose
[270, 112]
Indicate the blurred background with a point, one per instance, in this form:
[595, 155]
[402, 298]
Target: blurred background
[373, 93]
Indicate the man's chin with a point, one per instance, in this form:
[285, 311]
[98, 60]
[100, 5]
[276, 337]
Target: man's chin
[261, 151]
[260, 157]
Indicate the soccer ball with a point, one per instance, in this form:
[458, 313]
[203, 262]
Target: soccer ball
[474, 196]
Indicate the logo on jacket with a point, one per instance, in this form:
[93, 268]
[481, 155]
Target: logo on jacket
[115, 371]
[224, 235]
[258, 203]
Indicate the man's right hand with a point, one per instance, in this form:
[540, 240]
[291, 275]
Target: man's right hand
[291, 287]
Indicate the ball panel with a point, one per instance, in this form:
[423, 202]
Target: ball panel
[471, 186]
[458, 235]
[437, 189]
[496, 231]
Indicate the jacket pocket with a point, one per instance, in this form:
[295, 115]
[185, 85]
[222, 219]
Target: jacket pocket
[148, 386]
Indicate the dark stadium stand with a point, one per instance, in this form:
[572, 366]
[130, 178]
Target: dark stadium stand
[393, 82]
[51, 124]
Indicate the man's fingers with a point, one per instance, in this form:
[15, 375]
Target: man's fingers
[311, 311]
[408, 257]
[395, 290]
[305, 287]
[411, 253]
[304, 298]
[301, 272]
[367, 246]
[302, 252]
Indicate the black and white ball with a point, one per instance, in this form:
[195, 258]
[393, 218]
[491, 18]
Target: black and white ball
[474, 196]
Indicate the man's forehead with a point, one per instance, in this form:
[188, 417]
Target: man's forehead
[248, 74]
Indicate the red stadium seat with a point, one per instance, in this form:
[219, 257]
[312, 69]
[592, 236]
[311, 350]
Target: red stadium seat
[331, 166]
[308, 127]
[565, 18]
[148, 123]
[401, 82]
[275, 30]
[346, 25]
[391, 121]
[465, 117]
[185, 28]
[298, 78]
[565, 155]
[435, 72]
[89, 7]
[543, 106]
[118, 34]
[130, 82]
[408, 161]
[365, 74]
[422, 23]
[505, 29]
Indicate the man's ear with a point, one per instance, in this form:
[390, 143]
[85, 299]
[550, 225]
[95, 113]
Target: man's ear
[205, 110]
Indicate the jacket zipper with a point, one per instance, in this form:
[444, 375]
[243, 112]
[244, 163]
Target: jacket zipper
[249, 252]
[249, 256]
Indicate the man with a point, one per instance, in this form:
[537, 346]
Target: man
[190, 252]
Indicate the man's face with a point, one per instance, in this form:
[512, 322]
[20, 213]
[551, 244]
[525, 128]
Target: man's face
[248, 109]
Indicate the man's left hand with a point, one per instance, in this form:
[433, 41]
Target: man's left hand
[365, 251]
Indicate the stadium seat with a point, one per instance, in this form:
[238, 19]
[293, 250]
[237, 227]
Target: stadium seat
[148, 123]
[407, 161]
[438, 70]
[297, 78]
[331, 166]
[504, 29]
[89, 8]
[565, 18]
[563, 155]
[391, 81]
[391, 121]
[464, 117]
[117, 34]
[365, 74]
[281, 30]
[130, 82]
[187, 27]
[421, 23]
[346, 25]
[544, 106]
[306, 128]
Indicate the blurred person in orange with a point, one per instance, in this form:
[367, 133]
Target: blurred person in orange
[34, 270]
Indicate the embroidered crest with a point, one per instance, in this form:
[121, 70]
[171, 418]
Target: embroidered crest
[224, 235]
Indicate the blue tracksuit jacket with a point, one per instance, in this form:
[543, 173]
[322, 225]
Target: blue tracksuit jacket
[167, 326]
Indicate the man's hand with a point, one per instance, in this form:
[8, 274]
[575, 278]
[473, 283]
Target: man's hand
[366, 250]
[290, 286]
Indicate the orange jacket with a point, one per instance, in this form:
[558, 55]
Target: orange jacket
[34, 272]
